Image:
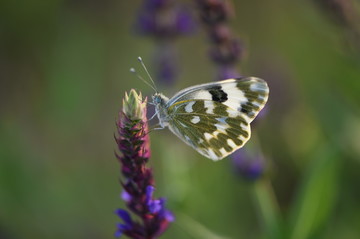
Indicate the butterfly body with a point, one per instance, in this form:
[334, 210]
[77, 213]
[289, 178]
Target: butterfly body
[160, 101]
[213, 118]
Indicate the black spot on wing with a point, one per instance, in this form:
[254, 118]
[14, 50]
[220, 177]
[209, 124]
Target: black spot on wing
[218, 94]
[243, 110]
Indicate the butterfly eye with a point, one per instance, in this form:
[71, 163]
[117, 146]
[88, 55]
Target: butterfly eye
[157, 99]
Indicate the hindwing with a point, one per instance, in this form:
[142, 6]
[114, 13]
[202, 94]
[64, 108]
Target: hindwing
[214, 135]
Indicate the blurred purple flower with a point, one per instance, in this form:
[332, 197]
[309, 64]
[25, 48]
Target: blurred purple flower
[133, 143]
[228, 72]
[214, 11]
[164, 20]
[226, 50]
[250, 167]
[166, 63]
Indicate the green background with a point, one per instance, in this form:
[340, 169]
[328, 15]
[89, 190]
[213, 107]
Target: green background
[64, 68]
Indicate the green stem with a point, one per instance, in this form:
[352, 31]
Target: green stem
[268, 208]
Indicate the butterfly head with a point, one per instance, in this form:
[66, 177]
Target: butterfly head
[159, 99]
[160, 102]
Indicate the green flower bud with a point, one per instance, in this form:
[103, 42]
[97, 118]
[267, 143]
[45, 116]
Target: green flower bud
[134, 107]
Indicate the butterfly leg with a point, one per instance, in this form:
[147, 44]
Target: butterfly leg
[152, 116]
[156, 128]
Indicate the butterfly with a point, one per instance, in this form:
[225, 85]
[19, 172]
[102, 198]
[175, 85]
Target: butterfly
[213, 118]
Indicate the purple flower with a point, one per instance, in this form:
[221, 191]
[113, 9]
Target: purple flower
[214, 11]
[154, 205]
[166, 63]
[250, 167]
[228, 72]
[164, 21]
[125, 216]
[226, 50]
[138, 182]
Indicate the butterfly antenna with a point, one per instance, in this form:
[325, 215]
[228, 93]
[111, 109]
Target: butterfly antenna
[147, 72]
[132, 70]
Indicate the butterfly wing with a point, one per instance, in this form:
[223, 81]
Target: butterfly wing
[215, 118]
[246, 95]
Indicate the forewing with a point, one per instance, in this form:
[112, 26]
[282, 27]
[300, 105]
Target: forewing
[245, 95]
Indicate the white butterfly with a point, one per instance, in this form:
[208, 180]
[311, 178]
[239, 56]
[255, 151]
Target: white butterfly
[213, 118]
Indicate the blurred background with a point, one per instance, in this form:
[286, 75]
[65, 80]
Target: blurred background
[64, 68]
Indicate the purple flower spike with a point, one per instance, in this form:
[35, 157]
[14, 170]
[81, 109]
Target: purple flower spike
[165, 21]
[134, 146]
[226, 49]
[248, 166]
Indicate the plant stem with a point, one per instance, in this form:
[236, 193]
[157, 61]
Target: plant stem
[268, 208]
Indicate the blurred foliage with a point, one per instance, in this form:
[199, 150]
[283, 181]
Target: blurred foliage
[64, 66]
